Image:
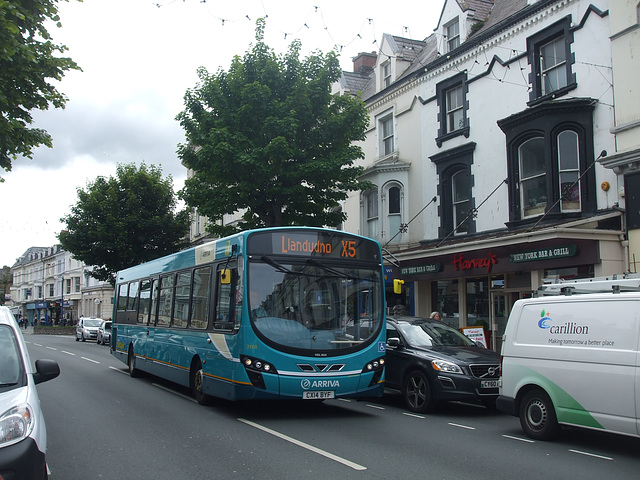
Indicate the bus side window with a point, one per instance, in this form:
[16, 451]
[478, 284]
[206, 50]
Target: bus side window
[182, 300]
[200, 298]
[123, 295]
[165, 298]
[145, 302]
[225, 299]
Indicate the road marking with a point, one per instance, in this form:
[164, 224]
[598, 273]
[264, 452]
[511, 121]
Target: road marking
[591, 454]
[89, 360]
[462, 426]
[68, 353]
[161, 387]
[527, 440]
[119, 370]
[413, 415]
[51, 348]
[324, 453]
[38, 344]
[375, 406]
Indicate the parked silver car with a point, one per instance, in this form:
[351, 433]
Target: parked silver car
[87, 328]
[23, 433]
[104, 333]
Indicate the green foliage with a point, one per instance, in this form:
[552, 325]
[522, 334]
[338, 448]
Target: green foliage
[269, 139]
[124, 221]
[27, 63]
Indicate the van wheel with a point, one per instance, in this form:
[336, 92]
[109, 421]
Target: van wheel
[538, 416]
[197, 382]
[417, 393]
[131, 363]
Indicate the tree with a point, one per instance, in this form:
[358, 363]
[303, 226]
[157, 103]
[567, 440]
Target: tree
[27, 62]
[124, 221]
[268, 138]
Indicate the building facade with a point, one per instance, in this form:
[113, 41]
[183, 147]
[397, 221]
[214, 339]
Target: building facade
[51, 287]
[485, 146]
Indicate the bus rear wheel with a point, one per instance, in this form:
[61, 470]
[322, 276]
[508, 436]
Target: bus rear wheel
[197, 384]
[131, 363]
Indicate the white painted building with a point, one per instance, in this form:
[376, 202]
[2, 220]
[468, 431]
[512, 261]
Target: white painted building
[484, 146]
[51, 286]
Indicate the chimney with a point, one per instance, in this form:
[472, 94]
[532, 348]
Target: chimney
[364, 62]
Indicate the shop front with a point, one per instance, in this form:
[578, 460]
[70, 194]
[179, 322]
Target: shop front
[478, 287]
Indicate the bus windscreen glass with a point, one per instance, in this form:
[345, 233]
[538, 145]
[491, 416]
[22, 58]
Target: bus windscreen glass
[306, 306]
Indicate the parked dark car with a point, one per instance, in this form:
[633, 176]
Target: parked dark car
[430, 362]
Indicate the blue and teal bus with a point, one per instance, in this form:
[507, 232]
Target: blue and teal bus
[276, 313]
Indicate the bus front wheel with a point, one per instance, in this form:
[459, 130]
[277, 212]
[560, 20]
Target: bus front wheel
[197, 384]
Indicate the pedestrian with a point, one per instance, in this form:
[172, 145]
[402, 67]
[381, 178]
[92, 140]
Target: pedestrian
[436, 316]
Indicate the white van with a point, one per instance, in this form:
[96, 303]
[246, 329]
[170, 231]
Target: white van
[573, 360]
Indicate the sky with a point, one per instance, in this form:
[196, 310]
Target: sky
[138, 58]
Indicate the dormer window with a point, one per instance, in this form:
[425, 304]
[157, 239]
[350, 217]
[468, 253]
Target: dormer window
[452, 32]
[386, 74]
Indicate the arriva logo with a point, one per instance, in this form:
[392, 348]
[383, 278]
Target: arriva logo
[306, 384]
[545, 321]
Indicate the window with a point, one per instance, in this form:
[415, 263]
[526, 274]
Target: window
[452, 31]
[394, 215]
[123, 296]
[553, 66]
[452, 108]
[200, 298]
[145, 302]
[455, 190]
[533, 181]
[461, 199]
[68, 286]
[569, 169]
[51, 292]
[455, 119]
[182, 300]
[371, 213]
[76, 284]
[550, 58]
[225, 299]
[549, 150]
[386, 134]
[165, 300]
[386, 74]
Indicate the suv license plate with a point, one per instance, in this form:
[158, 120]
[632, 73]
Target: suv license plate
[318, 395]
[489, 384]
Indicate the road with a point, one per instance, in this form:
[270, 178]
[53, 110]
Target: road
[105, 425]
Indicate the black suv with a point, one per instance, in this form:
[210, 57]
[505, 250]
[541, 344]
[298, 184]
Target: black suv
[430, 362]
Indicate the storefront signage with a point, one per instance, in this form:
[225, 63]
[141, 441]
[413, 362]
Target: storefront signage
[544, 254]
[462, 263]
[418, 269]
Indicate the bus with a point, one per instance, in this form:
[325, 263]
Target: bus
[274, 313]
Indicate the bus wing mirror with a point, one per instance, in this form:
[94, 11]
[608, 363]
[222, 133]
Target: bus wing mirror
[397, 285]
[225, 276]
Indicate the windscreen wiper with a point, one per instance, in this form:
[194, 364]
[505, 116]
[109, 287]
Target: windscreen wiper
[278, 266]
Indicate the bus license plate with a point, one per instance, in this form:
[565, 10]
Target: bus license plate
[489, 384]
[318, 395]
